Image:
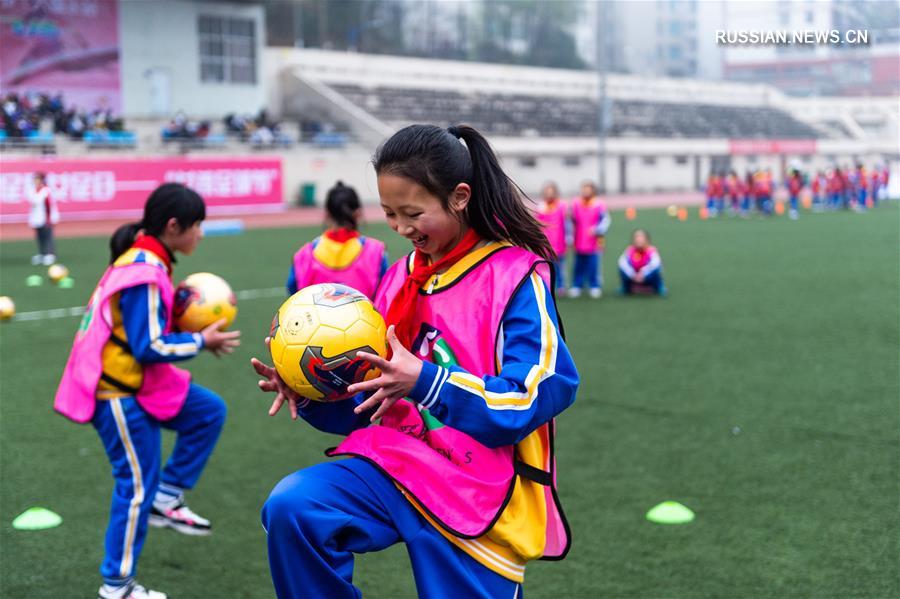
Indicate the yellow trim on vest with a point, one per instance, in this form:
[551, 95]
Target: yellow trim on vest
[337, 255]
[487, 552]
[462, 266]
[116, 362]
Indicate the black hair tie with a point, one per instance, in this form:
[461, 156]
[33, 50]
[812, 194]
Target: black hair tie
[454, 131]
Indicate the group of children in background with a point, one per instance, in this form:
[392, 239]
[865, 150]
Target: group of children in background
[848, 188]
[582, 225]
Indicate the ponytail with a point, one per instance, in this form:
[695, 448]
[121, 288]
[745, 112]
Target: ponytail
[168, 201]
[497, 208]
[435, 159]
[123, 239]
[341, 203]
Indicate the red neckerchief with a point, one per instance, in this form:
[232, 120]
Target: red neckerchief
[403, 307]
[152, 244]
[341, 235]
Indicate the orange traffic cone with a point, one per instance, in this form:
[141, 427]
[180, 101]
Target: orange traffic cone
[703, 213]
[682, 214]
[630, 213]
[779, 208]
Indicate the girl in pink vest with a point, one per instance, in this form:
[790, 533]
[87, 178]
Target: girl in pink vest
[340, 254]
[451, 447]
[591, 220]
[120, 378]
[640, 267]
[552, 213]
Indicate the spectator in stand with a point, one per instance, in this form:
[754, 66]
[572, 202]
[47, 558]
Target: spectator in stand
[180, 127]
[25, 113]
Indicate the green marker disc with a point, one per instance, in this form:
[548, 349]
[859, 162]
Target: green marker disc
[34, 281]
[66, 283]
[670, 512]
[36, 518]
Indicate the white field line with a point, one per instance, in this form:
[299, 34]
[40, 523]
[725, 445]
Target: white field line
[246, 294]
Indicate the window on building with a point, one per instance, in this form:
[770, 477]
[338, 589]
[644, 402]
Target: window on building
[681, 159]
[648, 160]
[227, 49]
[572, 160]
[528, 161]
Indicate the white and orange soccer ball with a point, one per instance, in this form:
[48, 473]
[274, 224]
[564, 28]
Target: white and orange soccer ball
[7, 307]
[202, 299]
[57, 272]
[315, 336]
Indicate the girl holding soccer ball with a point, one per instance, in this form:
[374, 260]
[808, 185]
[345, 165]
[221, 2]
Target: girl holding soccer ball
[120, 378]
[459, 464]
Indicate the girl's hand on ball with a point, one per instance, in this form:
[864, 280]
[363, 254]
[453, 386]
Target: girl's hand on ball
[398, 377]
[272, 383]
[220, 342]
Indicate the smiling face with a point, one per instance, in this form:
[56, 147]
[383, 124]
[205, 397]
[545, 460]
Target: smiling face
[413, 212]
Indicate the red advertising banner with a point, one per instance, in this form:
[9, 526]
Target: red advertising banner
[68, 46]
[100, 189]
[771, 146]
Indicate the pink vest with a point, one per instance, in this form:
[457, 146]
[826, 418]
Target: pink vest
[639, 260]
[164, 387]
[462, 484]
[554, 221]
[362, 274]
[586, 218]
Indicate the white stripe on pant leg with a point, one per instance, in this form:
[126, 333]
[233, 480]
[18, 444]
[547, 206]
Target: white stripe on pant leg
[134, 509]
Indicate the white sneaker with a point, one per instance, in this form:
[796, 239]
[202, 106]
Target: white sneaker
[130, 591]
[596, 293]
[180, 517]
[793, 215]
[574, 292]
[36, 259]
[49, 259]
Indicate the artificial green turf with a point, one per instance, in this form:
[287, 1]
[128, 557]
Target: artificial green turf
[762, 394]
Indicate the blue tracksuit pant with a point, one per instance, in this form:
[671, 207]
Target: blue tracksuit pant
[560, 266]
[131, 438]
[319, 517]
[652, 279]
[587, 270]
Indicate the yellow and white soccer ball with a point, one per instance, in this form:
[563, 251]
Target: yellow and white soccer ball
[7, 307]
[202, 299]
[315, 336]
[57, 272]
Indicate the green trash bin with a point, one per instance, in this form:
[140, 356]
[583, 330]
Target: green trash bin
[308, 194]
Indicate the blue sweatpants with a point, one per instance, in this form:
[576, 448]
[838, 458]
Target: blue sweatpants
[317, 518]
[587, 270]
[560, 267]
[652, 279]
[794, 203]
[131, 438]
